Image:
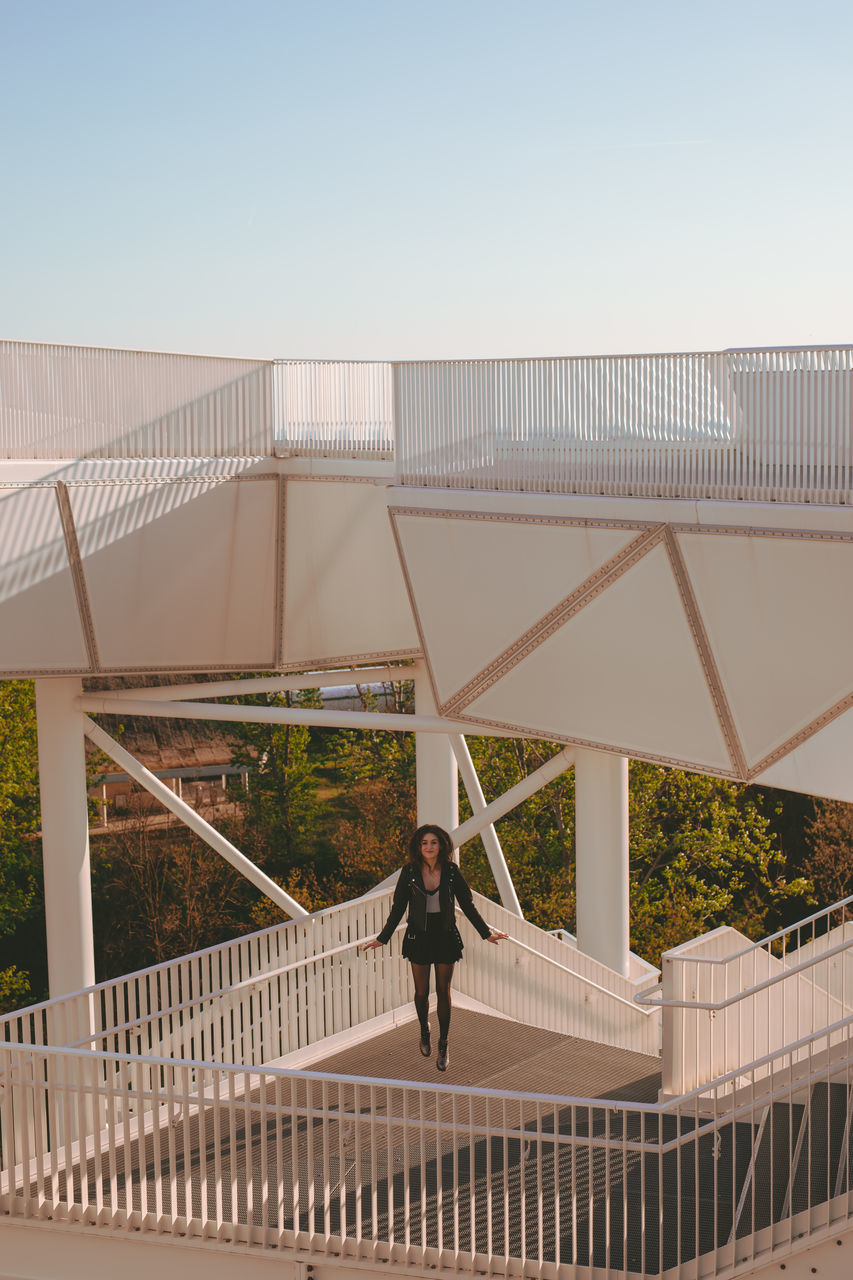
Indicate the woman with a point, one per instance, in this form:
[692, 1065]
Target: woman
[429, 886]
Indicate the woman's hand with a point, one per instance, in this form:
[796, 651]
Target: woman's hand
[496, 936]
[370, 946]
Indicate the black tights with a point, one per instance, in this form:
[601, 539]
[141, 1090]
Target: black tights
[443, 978]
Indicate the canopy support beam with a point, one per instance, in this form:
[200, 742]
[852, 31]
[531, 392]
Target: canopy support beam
[491, 843]
[193, 820]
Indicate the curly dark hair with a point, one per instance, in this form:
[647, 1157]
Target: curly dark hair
[445, 845]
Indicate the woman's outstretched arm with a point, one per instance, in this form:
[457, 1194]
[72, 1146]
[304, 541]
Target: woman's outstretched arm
[395, 915]
[464, 897]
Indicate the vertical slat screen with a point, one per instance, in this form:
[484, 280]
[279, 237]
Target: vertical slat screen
[89, 402]
[757, 425]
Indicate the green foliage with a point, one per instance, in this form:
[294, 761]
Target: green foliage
[282, 805]
[829, 834]
[702, 854]
[20, 861]
[376, 809]
[160, 892]
[19, 803]
[15, 990]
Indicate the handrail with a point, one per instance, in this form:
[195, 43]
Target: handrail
[260, 978]
[163, 966]
[643, 997]
[255, 981]
[773, 937]
[614, 995]
[660, 1107]
[66, 1110]
[743, 1069]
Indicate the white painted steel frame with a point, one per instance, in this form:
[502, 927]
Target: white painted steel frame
[340, 678]
[159, 704]
[65, 835]
[491, 843]
[111, 704]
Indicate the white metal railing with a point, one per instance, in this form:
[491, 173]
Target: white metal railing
[640, 971]
[724, 1003]
[78, 402]
[247, 1002]
[329, 408]
[760, 425]
[452, 1178]
[536, 979]
[769, 425]
[261, 998]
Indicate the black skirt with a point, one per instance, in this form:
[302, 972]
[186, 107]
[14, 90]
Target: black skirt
[435, 945]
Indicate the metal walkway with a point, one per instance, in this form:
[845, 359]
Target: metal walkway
[495, 1053]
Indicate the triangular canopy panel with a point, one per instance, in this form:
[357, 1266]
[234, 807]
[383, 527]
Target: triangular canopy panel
[180, 574]
[778, 612]
[822, 765]
[345, 597]
[623, 672]
[39, 619]
[478, 584]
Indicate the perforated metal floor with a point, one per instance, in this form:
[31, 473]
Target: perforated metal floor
[495, 1053]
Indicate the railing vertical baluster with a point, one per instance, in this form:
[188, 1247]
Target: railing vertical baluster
[540, 1224]
[111, 1122]
[252, 1151]
[311, 1159]
[327, 1171]
[157, 1116]
[279, 1180]
[296, 1087]
[185, 1105]
[423, 1165]
[374, 1166]
[128, 1122]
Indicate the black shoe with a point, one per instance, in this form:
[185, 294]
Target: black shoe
[425, 1046]
[443, 1059]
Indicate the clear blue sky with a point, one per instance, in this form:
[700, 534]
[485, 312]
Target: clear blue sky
[377, 179]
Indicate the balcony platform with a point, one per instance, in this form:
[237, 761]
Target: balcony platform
[489, 1052]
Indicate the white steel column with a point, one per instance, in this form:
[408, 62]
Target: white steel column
[491, 843]
[601, 857]
[437, 779]
[65, 836]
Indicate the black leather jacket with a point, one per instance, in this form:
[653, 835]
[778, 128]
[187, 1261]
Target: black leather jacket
[410, 893]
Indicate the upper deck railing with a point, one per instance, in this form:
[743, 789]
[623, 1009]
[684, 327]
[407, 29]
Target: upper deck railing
[768, 425]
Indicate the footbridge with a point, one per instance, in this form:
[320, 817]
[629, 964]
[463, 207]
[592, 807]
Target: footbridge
[637, 557]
